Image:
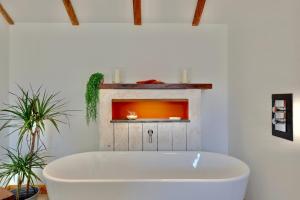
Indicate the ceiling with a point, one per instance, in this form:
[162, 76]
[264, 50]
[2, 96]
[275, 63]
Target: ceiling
[109, 11]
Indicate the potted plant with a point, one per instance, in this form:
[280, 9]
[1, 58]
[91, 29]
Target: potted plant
[22, 166]
[27, 117]
[92, 96]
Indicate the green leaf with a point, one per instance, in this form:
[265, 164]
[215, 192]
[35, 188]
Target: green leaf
[21, 165]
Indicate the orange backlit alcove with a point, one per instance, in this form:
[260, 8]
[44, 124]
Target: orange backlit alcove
[150, 108]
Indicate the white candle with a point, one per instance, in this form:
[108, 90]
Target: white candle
[184, 76]
[117, 76]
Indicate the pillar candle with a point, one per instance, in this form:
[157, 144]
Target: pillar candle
[117, 76]
[184, 76]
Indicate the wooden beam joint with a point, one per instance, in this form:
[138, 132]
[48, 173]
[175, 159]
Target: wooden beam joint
[137, 12]
[71, 12]
[198, 12]
[6, 16]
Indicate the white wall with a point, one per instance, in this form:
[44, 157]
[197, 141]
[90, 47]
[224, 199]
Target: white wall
[62, 57]
[263, 40]
[264, 59]
[4, 65]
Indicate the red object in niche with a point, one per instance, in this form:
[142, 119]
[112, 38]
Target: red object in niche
[151, 81]
[150, 108]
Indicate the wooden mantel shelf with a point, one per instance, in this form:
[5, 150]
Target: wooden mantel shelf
[201, 86]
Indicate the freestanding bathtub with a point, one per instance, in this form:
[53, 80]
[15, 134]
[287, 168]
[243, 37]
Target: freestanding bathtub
[147, 176]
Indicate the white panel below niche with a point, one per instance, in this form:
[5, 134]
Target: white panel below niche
[179, 131]
[165, 139]
[121, 137]
[135, 136]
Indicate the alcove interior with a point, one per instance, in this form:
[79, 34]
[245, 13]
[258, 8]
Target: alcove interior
[150, 108]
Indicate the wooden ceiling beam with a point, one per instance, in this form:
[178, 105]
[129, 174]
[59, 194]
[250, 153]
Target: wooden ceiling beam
[71, 12]
[137, 12]
[198, 12]
[6, 16]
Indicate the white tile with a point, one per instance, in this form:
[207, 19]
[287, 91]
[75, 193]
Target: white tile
[135, 136]
[121, 136]
[164, 136]
[179, 136]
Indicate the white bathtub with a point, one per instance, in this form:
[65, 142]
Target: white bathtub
[147, 176]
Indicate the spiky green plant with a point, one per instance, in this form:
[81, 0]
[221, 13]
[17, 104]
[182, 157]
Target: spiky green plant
[21, 166]
[92, 96]
[30, 112]
[28, 115]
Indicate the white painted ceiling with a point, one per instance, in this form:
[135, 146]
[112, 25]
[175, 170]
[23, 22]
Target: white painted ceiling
[110, 11]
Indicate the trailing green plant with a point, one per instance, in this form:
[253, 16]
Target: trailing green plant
[27, 117]
[92, 96]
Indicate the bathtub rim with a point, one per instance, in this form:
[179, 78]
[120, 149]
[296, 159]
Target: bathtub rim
[61, 180]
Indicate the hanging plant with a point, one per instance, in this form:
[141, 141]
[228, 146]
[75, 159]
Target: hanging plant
[92, 96]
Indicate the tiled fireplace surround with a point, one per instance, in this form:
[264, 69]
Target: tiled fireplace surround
[167, 136]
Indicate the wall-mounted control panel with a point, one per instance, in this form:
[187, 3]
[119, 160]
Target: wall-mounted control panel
[282, 116]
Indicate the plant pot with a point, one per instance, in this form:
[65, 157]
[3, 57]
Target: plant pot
[33, 193]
